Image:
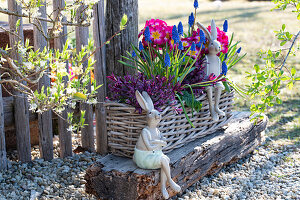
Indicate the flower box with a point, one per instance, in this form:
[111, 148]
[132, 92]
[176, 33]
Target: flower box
[124, 124]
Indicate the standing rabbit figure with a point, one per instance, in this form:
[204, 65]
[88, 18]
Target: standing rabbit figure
[213, 66]
[148, 150]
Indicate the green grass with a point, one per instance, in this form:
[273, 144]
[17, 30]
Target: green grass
[254, 24]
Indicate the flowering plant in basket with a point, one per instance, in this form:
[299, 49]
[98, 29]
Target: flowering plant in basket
[171, 64]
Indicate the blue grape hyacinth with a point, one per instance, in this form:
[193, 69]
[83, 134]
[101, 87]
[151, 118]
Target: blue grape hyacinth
[147, 34]
[191, 20]
[141, 47]
[224, 68]
[180, 46]
[167, 60]
[239, 50]
[202, 36]
[225, 26]
[180, 29]
[175, 35]
[133, 54]
[196, 5]
[193, 47]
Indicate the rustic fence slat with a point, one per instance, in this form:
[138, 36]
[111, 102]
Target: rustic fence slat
[65, 136]
[3, 158]
[45, 119]
[100, 76]
[87, 132]
[122, 43]
[21, 111]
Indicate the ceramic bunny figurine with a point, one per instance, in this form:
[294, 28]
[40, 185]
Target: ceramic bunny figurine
[213, 66]
[148, 150]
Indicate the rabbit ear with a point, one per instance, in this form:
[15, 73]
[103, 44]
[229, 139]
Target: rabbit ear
[214, 32]
[141, 100]
[206, 32]
[148, 100]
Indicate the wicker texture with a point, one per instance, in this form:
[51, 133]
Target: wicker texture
[124, 125]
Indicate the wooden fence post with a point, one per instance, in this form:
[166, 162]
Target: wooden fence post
[87, 132]
[115, 9]
[100, 76]
[21, 112]
[3, 158]
[65, 136]
[45, 119]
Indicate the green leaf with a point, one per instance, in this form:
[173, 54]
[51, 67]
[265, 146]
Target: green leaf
[283, 43]
[290, 85]
[283, 27]
[293, 71]
[123, 22]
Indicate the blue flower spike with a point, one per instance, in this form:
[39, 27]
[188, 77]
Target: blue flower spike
[191, 20]
[224, 68]
[225, 26]
[141, 47]
[180, 29]
[193, 47]
[202, 36]
[133, 54]
[239, 50]
[180, 46]
[225, 57]
[147, 34]
[196, 5]
[175, 35]
[167, 60]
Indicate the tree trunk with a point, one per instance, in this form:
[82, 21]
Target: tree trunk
[87, 132]
[115, 9]
[65, 136]
[100, 76]
[21, 111]
[45, 119]
[3, 158]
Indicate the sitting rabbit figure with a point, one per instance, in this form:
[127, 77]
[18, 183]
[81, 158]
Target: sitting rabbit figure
[213, 66]
[148, 150]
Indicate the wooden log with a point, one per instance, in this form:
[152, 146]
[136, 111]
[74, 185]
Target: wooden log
[21, 112]
[100, 77]
[119, 45]
[3, 158]
[45, 119]
[114, 177]
[65, 136]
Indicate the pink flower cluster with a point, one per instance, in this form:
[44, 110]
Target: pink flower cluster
[160, 33]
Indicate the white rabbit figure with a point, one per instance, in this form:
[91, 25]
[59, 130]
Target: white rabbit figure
[213, 66]
[148, 149]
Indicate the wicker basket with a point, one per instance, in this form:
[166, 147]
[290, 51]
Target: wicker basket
[124, 125]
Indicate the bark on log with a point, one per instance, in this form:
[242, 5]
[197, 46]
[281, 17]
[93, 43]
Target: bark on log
[65, 137]
[100, 76]
[115, 9]
[87, 132]
[45, 119]
[114, 177]
[21, 113]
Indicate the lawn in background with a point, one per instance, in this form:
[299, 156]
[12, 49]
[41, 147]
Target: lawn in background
[254, 24]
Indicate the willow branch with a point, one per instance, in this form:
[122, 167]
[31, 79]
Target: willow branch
[287, 55]
[8, 12]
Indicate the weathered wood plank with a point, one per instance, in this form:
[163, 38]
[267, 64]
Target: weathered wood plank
[45, 119]
[65, 137]
[87, 132]
[21, 112]
[100, 77]
[3, 158]
[119, 45]
[117, 178]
